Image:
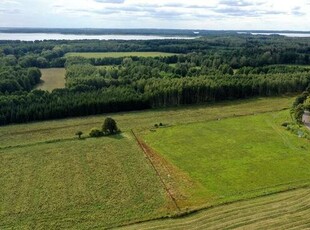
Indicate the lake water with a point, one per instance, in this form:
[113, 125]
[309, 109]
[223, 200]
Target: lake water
[45, 36]
[297, 35]
[48, 36]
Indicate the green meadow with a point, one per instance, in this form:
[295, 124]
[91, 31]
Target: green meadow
[235, 158]
[51, 179]
[89, 183]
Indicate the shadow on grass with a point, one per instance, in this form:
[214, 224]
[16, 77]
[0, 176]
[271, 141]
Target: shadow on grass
[118, 136]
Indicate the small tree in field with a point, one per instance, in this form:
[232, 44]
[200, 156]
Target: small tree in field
[109, 126]
[79, 134]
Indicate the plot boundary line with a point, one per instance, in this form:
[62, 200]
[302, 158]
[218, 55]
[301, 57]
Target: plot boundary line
[156, 171]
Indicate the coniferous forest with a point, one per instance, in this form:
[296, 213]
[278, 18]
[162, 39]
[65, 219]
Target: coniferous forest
[206, 69]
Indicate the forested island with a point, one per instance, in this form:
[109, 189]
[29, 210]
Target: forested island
[206, 69]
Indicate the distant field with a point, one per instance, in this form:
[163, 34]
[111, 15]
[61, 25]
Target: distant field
[92, 183]
[53, 78]
[235, 158]
[120, 54]
[288, 210]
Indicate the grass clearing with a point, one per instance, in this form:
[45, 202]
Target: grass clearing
[53, 78]
[236, 158]
[119, 54]
[77, 184]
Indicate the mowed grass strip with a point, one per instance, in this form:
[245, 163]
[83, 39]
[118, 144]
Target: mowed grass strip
[287, 210]
[85, 184]
[24, 134]
[236, 158]
[119, 54]
[53, 78]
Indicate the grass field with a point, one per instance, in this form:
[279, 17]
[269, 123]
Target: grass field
[78, 184]
[50, 179]
[24, 134]
[120, 54]
[288, 210]
[53, 78]
[236, 158]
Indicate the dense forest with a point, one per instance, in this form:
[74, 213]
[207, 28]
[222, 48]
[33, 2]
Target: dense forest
[206, 69]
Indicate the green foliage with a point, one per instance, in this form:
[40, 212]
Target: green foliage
[13, 79]
[300, 105]
[94, 132]
[42, 105]
[298, 113]
[299, 130]
[286, 123]
[118, 54]
[301, 98]
[307, 103]
[109, 126]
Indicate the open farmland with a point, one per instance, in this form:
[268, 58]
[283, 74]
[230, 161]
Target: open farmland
[53, 78]
[78, 183]
[235, 158]
[119, 54]
[50, 179]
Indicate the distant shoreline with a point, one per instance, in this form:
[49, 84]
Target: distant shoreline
[10, 36]
[162, 32]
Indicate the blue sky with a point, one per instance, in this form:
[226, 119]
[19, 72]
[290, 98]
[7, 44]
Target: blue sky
[179, 14]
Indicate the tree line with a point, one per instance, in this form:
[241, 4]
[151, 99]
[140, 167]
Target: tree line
[14, 79]
[205, 70]
[143, 94]
[234, 50]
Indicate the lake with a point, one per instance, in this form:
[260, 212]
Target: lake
[48, 36]
[297, 35]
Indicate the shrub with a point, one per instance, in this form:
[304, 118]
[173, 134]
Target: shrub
[298, 113]
[285, 124]
[94, 132]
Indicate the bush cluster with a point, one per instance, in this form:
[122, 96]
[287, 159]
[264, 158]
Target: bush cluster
[109, 127]
[298, 130]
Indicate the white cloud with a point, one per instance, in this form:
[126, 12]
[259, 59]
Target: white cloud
[194, 14]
